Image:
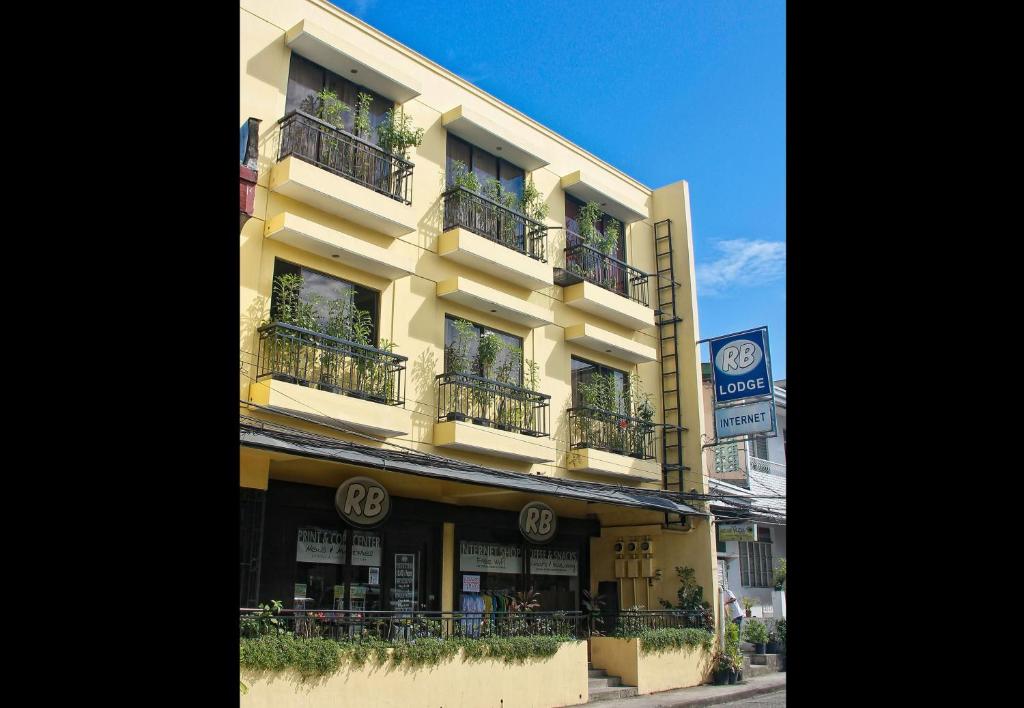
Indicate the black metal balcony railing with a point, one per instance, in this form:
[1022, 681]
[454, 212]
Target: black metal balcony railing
[312, 140]
[610, 273]
[486, 217]
[401, 626]
[302, 356]
[487, 402]
[607, 430]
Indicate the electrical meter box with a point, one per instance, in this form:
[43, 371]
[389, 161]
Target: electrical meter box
[633, 568]
[647, 567]
[620, 567]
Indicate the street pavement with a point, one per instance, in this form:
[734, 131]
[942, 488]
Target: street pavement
[776, 699]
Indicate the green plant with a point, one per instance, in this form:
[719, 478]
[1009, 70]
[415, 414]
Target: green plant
[463, 177]
[780, 575]
[587, 219]
[593, 607]
[747, 603]
[361, 121]
[690, 597]
[264, 621]
[780, 632]
[457, 359]
[396, 134]
[532, 203]
[631, 622]
[755, 632]
[656, 641]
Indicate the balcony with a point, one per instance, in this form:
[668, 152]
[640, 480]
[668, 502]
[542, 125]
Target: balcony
[598, 284]
[318, 164]
[483, 234]
[592, 337]
[500, 414]
[607, 443]
[766, 466]
[299, 369]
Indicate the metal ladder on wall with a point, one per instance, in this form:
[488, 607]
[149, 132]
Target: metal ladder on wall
[672, 466]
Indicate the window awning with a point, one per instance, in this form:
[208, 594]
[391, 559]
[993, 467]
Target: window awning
[260, 434]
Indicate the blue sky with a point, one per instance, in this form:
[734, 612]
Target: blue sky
[662, 90]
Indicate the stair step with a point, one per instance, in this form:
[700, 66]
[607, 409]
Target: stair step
[606, 682]
[596, 673]
[610, 694]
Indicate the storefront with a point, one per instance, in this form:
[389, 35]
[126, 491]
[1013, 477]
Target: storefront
[313, 558]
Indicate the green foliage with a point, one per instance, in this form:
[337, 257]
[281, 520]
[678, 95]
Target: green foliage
[321, 657]
[361, 122]
[690, 596]
[263, 622]
[656, 641]
[458, 350]
[755, 632]
[780, 575]
[463, 177]
[487, 352]
[326, 106]
[747, 602]
[631, 622]
[396, 135]
[780, 633]
[587, 219]
[532, 203]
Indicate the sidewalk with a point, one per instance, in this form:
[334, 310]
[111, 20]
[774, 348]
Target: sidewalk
[703, 695]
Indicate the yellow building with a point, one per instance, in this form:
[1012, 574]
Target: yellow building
[400, 324]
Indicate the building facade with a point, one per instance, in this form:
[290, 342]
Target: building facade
[749, 479]
[473, 324]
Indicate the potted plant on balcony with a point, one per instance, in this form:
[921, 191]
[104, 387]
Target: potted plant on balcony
[487, 353]
[284, 347]
[509, 402]
[396, 135]
[326, 106]
[381, 382]
[531, 375]
[457, 361]
[757, 634]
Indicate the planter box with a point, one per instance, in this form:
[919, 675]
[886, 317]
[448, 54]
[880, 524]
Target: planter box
[560, 680]
[650, 672]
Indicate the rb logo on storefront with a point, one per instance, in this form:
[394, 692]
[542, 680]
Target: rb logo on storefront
[537, 522]
[362, 502]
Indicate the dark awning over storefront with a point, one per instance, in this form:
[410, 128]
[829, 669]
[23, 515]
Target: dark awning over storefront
[264, 435]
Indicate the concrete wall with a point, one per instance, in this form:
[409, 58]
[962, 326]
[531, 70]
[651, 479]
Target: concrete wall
[650, 672]
[560, 680]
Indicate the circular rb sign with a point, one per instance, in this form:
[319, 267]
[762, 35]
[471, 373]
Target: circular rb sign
[537, 522]
[738, 357]
[362, 502]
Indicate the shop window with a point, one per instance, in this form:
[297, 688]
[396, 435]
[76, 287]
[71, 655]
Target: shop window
[508, 364]
[306, 78]
[321, 557]
[756, 570]
[321, 289]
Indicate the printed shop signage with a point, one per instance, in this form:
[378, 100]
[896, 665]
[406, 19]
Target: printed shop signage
[319, 545]
[363, 502]
[740, 365]
[745, 419]
[737, 532]
[490, 558]
[544, 561]
[537, 522]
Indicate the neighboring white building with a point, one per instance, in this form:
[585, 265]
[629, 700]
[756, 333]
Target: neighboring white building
[750, 473]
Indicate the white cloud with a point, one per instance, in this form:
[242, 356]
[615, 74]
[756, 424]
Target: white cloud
[359, 7]
[743, 263]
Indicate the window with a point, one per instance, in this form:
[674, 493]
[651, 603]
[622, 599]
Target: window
[726, 458]
[759, 448]
[509, 359]
[306, 77]
[484, 165]
[321, 289]
[584, 371]
[572, 207]
[756, 570]
[719, 544]
[764, 534]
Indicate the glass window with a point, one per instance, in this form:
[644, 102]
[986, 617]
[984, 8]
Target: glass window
[484, 165]
[584, 371]
[457, 150]
[306, 77]
[321, 289]
[756, 570]
[759, 448]
[572, 207]
[509, 361]
[511, 177]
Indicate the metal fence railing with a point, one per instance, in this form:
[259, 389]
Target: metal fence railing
[308, 358]
[610, 273]
[465, 396]
[486, 217]
[607, 430]
[344, 625]
[312, 140]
